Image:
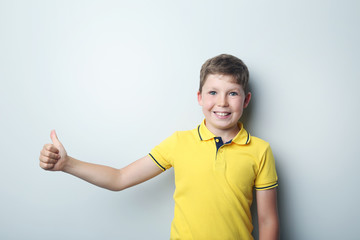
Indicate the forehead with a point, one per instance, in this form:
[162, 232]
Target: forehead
[221, 80]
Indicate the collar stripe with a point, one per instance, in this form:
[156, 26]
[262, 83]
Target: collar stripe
[199, 133]
[243, 137]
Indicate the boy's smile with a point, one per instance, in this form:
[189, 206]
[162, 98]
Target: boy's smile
[223, 101]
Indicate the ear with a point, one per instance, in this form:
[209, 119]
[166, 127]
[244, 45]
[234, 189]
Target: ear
[199, 97]
[247, 99]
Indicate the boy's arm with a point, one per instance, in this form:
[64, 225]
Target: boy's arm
[53, 157]
[267, 214]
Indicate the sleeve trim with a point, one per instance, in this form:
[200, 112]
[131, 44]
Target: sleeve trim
[267, 187]
[159, 165]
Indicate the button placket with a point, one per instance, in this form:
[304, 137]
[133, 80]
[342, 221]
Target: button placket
[219, 159]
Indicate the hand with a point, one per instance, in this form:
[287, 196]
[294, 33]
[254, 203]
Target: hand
[53, 157]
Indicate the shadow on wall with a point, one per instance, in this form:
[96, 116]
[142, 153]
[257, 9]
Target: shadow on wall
[248, 112]
[247, 119]
[285, 225]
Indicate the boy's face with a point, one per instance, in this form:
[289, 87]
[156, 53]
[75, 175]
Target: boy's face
[223, 102]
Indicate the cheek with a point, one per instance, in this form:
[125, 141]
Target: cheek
[206, 107]
[238, 105]
[207, 103]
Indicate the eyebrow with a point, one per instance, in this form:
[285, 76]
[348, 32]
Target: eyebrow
[229, 90]
[235, 89]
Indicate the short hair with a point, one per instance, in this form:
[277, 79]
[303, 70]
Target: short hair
[228, 65]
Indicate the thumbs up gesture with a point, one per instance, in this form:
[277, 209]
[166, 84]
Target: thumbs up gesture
[53, 156]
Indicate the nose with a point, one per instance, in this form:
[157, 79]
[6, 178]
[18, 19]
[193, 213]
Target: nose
[222, 101]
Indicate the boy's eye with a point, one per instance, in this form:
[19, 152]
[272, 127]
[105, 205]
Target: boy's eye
[212, 92]
[233, 94]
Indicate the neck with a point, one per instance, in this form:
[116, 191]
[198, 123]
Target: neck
[227, 137]
[226, 134]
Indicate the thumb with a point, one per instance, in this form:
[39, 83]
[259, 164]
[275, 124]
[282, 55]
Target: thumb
[54, 137]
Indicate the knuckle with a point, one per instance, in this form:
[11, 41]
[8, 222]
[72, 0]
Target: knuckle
[44, 159]
[43, 152]
[53, 161]
[47, 166]
[43, 165]
[47, 154]
[49, 147]
[50, 160]
[52, 155]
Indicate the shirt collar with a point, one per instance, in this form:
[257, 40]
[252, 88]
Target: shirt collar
[242, 138]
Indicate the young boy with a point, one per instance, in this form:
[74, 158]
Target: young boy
[217, 165]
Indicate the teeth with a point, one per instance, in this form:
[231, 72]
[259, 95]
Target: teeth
[222, 114]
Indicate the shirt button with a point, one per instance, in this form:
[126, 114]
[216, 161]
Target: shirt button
[217, 140]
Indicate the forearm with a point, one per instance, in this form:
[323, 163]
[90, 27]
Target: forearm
[268, 214]
[99, 175]
[269, 229]
[53, 157]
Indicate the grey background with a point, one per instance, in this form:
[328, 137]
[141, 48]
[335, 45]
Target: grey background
[115, 78]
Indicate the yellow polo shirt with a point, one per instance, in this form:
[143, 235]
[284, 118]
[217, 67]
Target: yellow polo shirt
[215, 181]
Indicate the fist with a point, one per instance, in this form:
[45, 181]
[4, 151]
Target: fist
[53, 156]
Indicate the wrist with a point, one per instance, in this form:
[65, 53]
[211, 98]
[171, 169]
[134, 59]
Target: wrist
[68, 164]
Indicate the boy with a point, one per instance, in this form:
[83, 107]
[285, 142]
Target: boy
[216, 165]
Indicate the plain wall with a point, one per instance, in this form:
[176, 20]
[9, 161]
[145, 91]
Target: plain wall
[115, 78]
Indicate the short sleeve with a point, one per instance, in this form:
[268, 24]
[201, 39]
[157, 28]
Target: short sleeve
[267, 177]
[162, 154]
